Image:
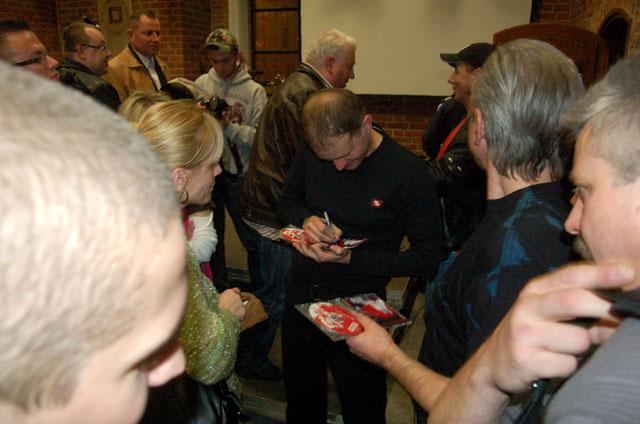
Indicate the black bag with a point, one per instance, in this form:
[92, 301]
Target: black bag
[184, 400]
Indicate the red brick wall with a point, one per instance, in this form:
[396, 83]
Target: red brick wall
[591, 14]
[220, 13]
[556, 11]
[42, 17]
[404, 118]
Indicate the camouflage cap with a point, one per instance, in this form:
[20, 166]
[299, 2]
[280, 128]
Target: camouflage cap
[222, 39]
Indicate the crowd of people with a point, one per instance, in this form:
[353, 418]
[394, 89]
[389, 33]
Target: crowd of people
[117, 178]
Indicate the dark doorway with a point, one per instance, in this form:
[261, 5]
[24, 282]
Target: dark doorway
[615, 30]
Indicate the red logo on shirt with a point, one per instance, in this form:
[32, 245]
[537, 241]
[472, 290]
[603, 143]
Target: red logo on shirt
[376, 203]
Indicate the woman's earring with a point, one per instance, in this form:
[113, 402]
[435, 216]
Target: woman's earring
[183, 196]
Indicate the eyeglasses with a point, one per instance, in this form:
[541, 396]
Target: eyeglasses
[40, 59]
[101, 47]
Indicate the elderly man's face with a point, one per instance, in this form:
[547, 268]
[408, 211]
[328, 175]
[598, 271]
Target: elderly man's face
[27, 51]
[342, 68]
[606, 210]
[146, 37]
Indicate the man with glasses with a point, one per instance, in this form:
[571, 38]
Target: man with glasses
[87, 58]
[20, 47]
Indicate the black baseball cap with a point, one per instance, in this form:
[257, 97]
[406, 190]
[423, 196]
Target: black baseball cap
[474, 54]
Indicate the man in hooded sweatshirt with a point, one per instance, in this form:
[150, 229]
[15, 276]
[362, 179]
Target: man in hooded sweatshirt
[229, 80]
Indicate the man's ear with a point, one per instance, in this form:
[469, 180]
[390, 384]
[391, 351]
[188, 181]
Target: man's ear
[179, 178]
[479, 133]
[367, 122]
[329, 61]
[129, 33]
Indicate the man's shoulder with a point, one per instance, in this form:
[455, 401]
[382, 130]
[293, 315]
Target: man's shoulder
[123, 59]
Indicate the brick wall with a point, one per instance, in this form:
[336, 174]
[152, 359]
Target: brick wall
[220, 13]
[591, 14]
[42, 17]
[403, 117]
[556, 11]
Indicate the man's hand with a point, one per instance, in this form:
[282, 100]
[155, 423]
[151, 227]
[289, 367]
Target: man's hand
[318, 231]
[321, 251]
[537, 339]
[374, 344]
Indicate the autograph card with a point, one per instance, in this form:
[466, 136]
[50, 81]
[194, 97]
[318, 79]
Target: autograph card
[294, 234]
[336, 319]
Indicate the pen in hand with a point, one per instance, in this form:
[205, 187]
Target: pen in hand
[330, 225]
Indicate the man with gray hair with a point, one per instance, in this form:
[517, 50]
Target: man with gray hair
[328, 63]
[92, 260]
[515, 135]
[537, 340]
[87, 58]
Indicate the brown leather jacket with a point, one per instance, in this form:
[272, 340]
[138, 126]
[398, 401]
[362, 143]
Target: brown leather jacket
[275, 145]
[126, 74]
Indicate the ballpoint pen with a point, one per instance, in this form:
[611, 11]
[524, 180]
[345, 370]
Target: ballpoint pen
[330, 225]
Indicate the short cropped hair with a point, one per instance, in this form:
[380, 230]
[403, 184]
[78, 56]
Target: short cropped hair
[523, 90]
[134, 18]
[9, 27]
[612, 107]
[82, 194]
[74, 34]
[138, 102]
[331, 112]
[183, 135]
[329, 43]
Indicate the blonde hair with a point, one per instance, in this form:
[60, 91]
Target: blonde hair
[138, 103]
[183, 135]
[81, 192]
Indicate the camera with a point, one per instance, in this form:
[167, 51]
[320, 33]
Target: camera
[216, 105]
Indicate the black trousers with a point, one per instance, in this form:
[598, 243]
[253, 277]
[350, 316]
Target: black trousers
[306, 355]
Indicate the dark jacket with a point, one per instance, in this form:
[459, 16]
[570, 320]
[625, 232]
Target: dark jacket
[274, 146]
[76, 75]
[461, 186]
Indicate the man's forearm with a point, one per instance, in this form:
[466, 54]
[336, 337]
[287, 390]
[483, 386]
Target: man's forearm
[423, 384]
[470, 396]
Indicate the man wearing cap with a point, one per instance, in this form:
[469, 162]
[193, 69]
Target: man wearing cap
[87, 58]
[229, 80]
[137, 67]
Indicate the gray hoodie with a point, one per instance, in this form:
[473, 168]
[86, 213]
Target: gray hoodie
[251, 98]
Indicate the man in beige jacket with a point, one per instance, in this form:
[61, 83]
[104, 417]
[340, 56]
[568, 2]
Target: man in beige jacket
[137, 67]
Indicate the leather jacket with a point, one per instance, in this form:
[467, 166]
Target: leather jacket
[461, 187]
[274, 146]
[74, 74]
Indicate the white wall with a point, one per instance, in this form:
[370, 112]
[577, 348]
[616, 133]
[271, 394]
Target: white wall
[399, 41]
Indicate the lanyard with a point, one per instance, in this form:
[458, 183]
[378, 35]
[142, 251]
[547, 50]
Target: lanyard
[450, 137]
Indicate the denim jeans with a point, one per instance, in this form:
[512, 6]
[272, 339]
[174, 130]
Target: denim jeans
[225, 194]
[255, 343]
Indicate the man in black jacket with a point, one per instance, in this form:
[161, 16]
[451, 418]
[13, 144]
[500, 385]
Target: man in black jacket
[87, 57]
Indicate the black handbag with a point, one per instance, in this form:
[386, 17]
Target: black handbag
[184, 400]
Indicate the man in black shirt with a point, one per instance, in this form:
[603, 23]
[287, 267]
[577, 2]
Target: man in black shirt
[372, 188]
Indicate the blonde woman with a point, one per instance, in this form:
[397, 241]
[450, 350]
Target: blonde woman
[189, 142]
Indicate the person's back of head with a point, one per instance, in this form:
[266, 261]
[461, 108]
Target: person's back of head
[85, 203]
[183, 134]
[138, 102]
[611, 108]
[523, 91]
